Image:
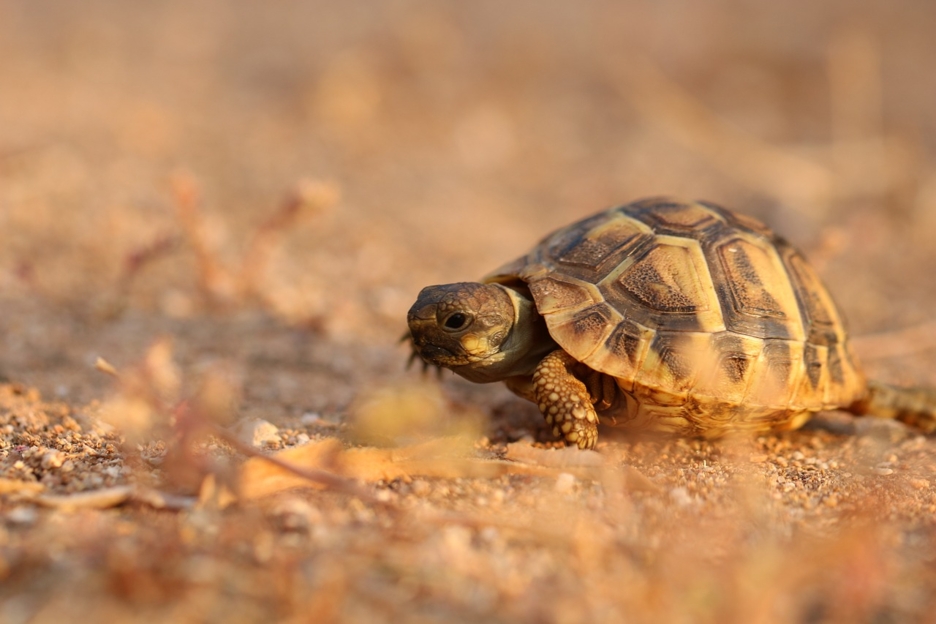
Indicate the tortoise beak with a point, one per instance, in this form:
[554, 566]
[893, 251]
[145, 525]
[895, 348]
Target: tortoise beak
[433, 353]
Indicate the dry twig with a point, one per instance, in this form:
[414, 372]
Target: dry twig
[213, 279]
[153, 387]
[221, 284]
[308, 199]
[312, 475]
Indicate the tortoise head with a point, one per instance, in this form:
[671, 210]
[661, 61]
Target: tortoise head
[484, 332]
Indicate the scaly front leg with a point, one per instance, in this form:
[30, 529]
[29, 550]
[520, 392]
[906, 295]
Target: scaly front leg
[564, 400]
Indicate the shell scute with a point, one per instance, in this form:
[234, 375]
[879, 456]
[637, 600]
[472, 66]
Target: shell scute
[589, 328]
[673, 363]
[589, 250]
[554, 295]
[760, 300]
[667, 280]
[779, 369]
[623, 352]
[821, 321]
[735, 360]
[676, 216]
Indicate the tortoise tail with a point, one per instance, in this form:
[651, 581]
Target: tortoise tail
[913, 406]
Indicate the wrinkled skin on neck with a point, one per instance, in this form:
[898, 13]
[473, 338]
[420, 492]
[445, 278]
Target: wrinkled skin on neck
[483, 332]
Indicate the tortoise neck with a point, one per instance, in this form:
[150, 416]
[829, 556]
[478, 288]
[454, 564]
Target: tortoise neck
[529, 339]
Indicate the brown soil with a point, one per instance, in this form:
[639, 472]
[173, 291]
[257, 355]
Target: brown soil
[234, 206]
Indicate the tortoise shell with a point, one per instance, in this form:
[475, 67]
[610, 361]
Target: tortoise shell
[706, 318]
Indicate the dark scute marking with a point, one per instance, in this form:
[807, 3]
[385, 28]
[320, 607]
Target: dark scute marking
[650, 205]
[600, 242]
[647, 285]
[675, 353]
[741, 221]
[807, 287]
[624, 342]
[742, 265]
[715, 231]
[748, 308]
[673, 216]
[759, 327]
[728, 343]
[813, 365]
[689, 217]
[779, 362]
[552, 294]
[746, 269]
[823, 335]
[748, 290]
[566, 239]
[735, 366]
[676, 362]
[630, 307]
[715, 207]
[592, 322]
[836, 374]
[722, 290]
[734, 362]
[586, 253]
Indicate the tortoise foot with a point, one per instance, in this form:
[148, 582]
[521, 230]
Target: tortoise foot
[564, 401]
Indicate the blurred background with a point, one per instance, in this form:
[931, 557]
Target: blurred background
[457, 135]
[270, 184]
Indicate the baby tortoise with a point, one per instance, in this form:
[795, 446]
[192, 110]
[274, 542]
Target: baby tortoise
[658, 315]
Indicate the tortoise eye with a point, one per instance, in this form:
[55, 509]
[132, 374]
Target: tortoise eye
[456, 321]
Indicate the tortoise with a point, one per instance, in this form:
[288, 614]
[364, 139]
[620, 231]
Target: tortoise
[660, 315]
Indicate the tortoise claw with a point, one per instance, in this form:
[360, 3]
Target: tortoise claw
[413, 356]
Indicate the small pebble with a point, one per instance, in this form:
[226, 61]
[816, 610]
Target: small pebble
[23, 516]
[311, 418]
[256, 432]
[53, 459]
[565, 483]
[420, 487]
[681, 497]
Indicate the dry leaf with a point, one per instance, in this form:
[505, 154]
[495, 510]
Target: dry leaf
[637, 481]
[258, 477]
[214, 493]
[442, 457]
[97, 499]
[447, 458]
[163, 500]
[567, 457]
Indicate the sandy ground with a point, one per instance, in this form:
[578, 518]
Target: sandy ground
[234, 207]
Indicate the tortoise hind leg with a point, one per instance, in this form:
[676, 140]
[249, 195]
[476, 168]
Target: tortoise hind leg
[564, 400]
[913, 406]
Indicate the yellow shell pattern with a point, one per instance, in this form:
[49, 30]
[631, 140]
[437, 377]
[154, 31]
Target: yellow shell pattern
[708, 321]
